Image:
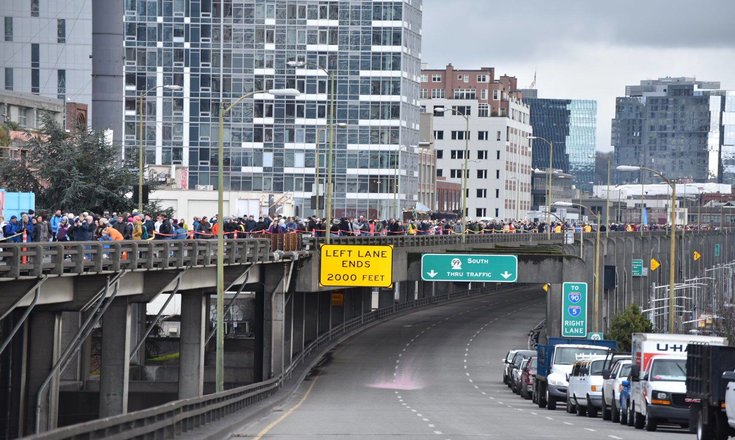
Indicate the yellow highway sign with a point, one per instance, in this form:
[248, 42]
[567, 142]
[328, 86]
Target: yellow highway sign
[345, 265]
[654, 264]
[697, 255]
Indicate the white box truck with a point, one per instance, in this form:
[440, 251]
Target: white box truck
[658, 389]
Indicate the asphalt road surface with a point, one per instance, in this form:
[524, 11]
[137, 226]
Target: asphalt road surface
[434, 374]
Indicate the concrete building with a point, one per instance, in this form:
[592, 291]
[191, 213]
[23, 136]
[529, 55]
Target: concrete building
[678, 126]
[570, 124]
[47, 48]
[499, 154]
[427, 164]
[217, 52]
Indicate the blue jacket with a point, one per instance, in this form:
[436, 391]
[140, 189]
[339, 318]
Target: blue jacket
[12, 229]
[55, 220]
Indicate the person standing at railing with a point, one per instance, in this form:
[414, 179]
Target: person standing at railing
[41, 230]
[26, 224]
[13, 230]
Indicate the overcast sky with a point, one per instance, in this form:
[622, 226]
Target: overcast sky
[584, 49]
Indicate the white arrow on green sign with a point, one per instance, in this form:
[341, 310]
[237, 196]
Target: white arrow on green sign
[469, 268]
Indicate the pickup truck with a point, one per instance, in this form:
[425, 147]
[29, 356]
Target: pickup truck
[658, 375]
[554, 364]
[730, 399]
[706, 388]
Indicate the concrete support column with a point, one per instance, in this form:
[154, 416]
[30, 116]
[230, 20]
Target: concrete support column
[274, 313]
[311, 316]
[114, 365]
[12, 362]
[298, 310]
[44, 348]
[191, 344]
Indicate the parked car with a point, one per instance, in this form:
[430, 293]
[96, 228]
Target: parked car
[506, 366]
[528, 376]
[611, 386]
[584, 393]
[730, 398]
[625, 416]
[515, 368]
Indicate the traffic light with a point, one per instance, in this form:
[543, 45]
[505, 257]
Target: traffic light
[146, 190]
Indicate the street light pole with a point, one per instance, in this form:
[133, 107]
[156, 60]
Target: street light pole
[466, 164]
[330, 154]
[672, 241]
[141, 144]
[220, 330]
[549, 181]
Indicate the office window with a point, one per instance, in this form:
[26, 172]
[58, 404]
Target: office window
[8, 78]
[497, 155]
[483, 110]
[482, 136]
[465, 94]
[482, 174]
[497, 174]
[496, 95]
[424, 78]
[267, 159]
[35, 55]
[499, 135]
[464, 110]
[437, 93]
[436, 78]
[61, 30]
[481, 193]
[457, 154]
[458, 135]
[8, 28]
[34, 8]
[482, 78]
[61, 84]
[480, 212]
[439, 154]
[439, 172]
[497, 212]
[483, 94]
[497, 193]
[482, 154]
[424, 94]
[438, 135]
[36, 81]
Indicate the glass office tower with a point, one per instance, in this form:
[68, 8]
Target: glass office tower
[570, 124]
[219, 51]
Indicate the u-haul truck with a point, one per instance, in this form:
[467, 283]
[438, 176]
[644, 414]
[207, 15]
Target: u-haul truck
[658, 389]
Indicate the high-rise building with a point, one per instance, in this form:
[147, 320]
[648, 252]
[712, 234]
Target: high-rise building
[216, 52]
[727, 152]
[481, 136]
[675, 126]
[47, 48]
[570, 125]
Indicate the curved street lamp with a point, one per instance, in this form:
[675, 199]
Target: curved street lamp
[220, 345]
[597, 259]
[330, 155]
[141, 147]
[464, 170]
[549, 180]
[672, 244]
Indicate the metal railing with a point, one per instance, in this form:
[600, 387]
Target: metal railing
[174, 418]
[62, 258]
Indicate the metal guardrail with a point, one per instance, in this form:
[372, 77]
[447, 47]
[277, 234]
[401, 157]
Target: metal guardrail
[174, 418]
[38, 259]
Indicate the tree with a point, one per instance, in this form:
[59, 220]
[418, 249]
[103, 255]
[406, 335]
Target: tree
[74, 171]
[625, 324]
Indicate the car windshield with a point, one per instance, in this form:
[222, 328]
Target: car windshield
[624, 371]
[533, 363]
[674, 370]
[569, 355]
[596, 367]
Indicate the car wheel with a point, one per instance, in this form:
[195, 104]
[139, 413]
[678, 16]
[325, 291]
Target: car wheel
[649, 423]
[614, 413]
[623, 417]
[591, 410]
[570, 408]
[704, 430]
[606, 412]
[540, 395]
[581, 410]
[722, 429]
[638, 420]
[550, 401]
[631, 414]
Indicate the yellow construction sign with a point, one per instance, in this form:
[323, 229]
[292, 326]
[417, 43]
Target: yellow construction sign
[697, 255]
[654, 264]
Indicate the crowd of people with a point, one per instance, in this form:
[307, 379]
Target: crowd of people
[38, 227]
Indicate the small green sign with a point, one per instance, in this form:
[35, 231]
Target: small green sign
[469, 268]
[574, 310]
[717, 249]
[592, 336]
[637, 268]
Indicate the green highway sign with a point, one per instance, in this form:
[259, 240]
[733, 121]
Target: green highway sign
[469, 268]
[574, 310]
[637, 268]
[595, 336]
[717, 249]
